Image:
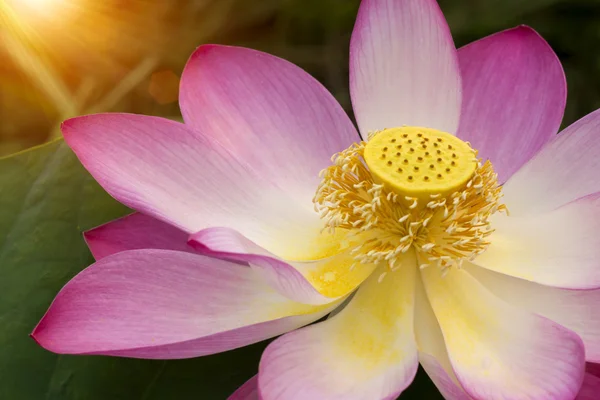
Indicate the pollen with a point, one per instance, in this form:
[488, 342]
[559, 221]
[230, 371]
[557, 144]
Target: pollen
[436, 202]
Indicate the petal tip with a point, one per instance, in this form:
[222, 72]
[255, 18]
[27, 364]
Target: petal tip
[197, 245]
[89, 238]
[68, 126]
[204, 49]
[41, 335]
[210, 49]
[78, 126]
[525, 28]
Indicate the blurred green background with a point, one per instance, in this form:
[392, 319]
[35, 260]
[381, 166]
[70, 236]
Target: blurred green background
[67, 57]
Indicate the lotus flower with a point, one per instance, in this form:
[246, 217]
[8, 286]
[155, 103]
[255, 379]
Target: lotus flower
[460, 232]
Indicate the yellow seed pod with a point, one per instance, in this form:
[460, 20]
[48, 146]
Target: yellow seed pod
[418, 162]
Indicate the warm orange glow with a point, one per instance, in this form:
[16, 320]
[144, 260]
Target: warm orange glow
[38, 6]
[62, 58]
[38, 3]
[164, 87]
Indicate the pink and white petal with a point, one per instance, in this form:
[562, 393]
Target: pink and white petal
[365, 352]
[500, 352]
[248, 391]
[590, 390]
[166, 304]
[331, 276]
[271, 114]
[445, 382]
[170, 172]
[432, 349]
[560, 248]
[132, 232]
[564, 170]
[574, 309]
[404, 67]
[514, 96]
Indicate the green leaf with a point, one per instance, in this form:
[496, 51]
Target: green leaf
[46, 201]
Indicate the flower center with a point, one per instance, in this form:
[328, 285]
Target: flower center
[419, 162]
[406, 188]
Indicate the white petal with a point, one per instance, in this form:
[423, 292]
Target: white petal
[404, 67]
[577, 310]
[500, 352]
[560, 248]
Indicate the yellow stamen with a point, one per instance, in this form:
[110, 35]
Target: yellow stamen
[391, 211]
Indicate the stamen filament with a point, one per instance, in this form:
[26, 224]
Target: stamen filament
[445, 228]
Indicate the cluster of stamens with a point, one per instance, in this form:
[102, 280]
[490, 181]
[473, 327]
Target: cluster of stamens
[442, 213]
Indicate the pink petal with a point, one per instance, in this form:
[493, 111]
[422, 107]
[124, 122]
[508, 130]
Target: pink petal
[450, 389]
[170, 172]
[560, 248]
[248, 391]
[366, 351]
[564, 170]
[271, 114]
[135, 231]
[593, 368]
[498, 351]
[514, 95]
[294, 280]
[577, 310]
[404, 67]
[590, 390]
[166, 304]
